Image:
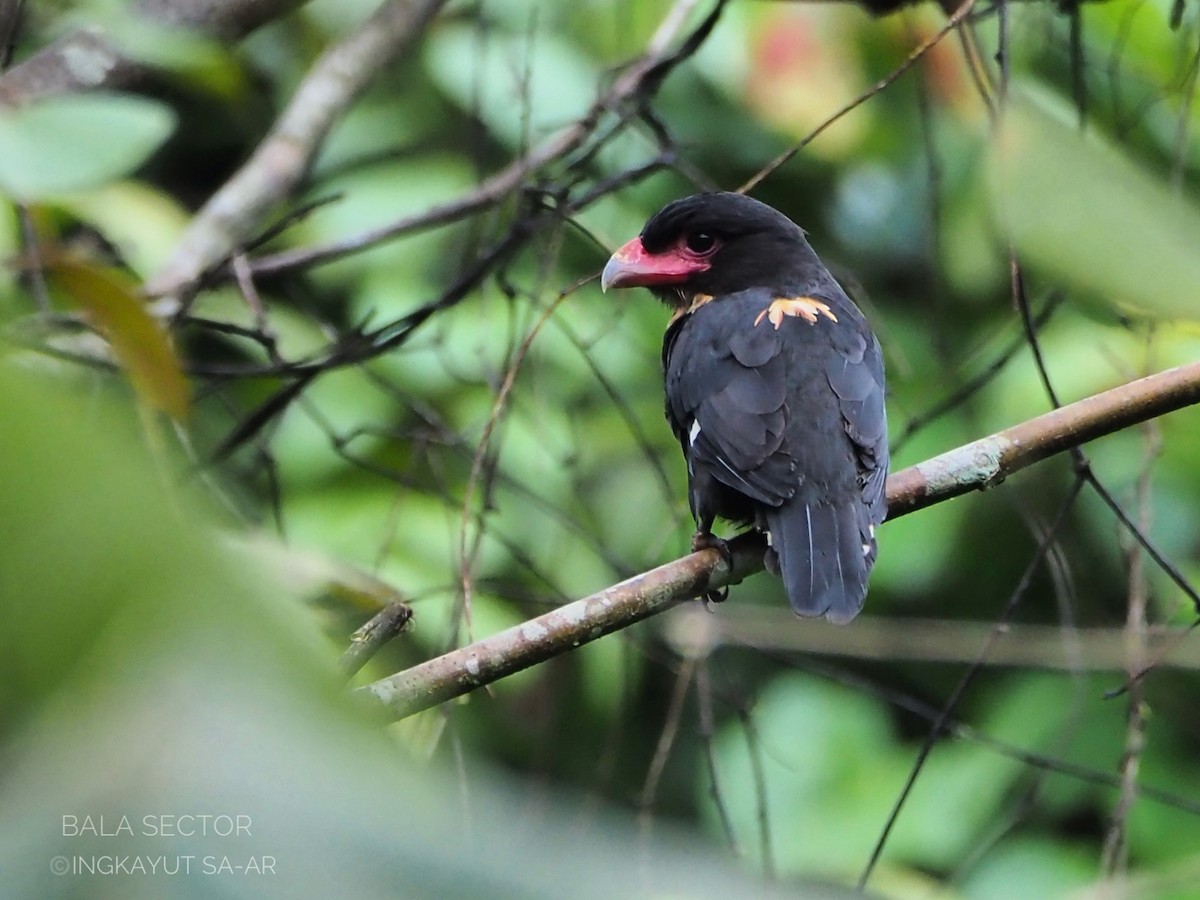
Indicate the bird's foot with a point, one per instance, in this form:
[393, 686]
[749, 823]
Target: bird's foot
[807, 308]
[706, 540]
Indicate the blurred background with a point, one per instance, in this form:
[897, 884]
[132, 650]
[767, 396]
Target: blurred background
[457, 413]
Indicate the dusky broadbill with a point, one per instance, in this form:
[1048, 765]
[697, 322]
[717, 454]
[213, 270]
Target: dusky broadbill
[774, 389]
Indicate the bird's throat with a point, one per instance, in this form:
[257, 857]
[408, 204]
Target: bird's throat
[684, 304]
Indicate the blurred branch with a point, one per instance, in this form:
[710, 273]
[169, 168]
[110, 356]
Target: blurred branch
[11, 16]
[284, 156]
[928, 640]
[1115, 856]
[90, 59]
[974, 466]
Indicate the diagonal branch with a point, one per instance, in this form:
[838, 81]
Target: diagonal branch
[975, 466]
[956, 19]
[988, 461]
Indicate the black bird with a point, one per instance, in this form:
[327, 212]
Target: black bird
[774, 388]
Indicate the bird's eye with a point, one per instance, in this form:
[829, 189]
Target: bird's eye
[700, 242]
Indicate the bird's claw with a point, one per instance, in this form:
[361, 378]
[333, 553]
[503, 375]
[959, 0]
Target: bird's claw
[806, 308]
[706, 540]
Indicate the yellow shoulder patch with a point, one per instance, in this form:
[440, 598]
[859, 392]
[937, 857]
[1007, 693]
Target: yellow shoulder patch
[807, 308]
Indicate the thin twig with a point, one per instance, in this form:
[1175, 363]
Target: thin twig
[1183, 126]
[968, 677]
[662, 749]
[1079, 87]
[974, 384]
[1083, 464]
[34, 265]
[959, 14]
[466, 556]
[759, 776]
[707, 731]
[1115, 855]
[12, 16]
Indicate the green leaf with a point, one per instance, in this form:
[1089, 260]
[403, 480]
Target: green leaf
[1078, 209]
[72, 143]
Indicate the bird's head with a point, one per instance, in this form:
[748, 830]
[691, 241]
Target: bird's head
[712, 244]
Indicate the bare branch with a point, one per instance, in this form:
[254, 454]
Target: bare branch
[89, 59]
[988, 461]
[974, 466]
[560, 630]
[284, 156]
[640, 78]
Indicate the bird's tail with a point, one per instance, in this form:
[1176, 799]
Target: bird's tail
[824, 555]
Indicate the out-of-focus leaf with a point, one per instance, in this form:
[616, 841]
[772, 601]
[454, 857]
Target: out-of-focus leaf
[76, 142]
[110, 299]
[1076, 208]
[880, 213]
[143, 222]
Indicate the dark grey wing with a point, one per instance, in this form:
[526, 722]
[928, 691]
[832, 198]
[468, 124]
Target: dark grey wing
[823, 539]
[855, 373]
[726, 386]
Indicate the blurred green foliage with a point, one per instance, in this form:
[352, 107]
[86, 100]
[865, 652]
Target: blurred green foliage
[154, 677]
[914, 198]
